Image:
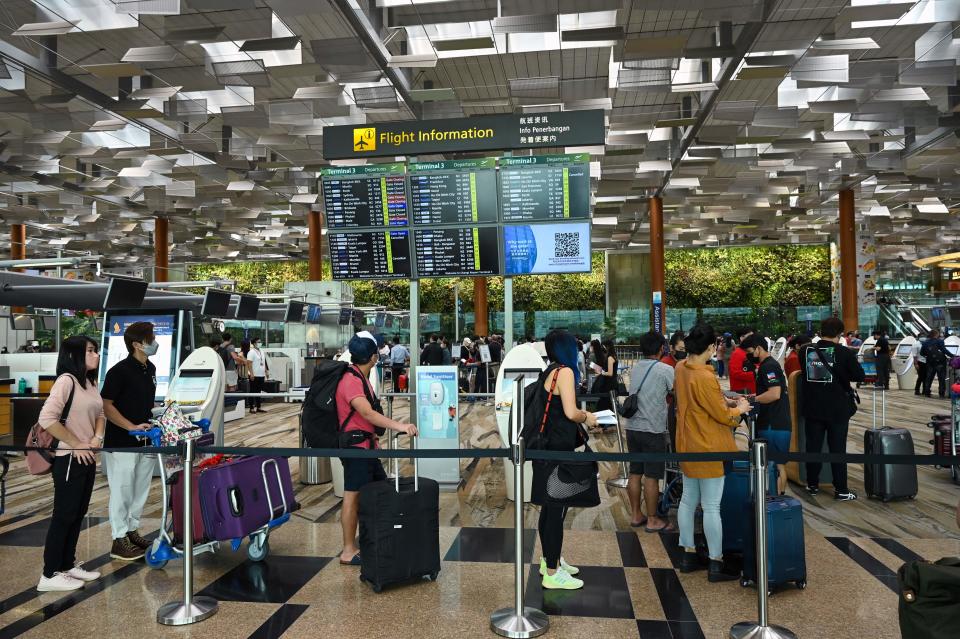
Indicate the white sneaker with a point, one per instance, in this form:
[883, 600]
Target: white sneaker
[77, 572]
[60, 582]
[560, 580]
[563, 565]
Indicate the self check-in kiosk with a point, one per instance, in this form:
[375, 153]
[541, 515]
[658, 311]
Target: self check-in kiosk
[953, 345]
[198, 387]
[779, 350]
[868, 359]
[903, 363]
[526, 360]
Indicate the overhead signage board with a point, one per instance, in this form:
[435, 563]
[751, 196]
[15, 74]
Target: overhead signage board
[541, 188]
[546, 248]
[370, 255]
[365, 196]
[453, 192]
[479, 133]
[457, 252]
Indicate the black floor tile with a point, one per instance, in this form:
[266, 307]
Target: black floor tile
[686, 630]
[654, 629]
[671, 543]
[673, 599]
[36, 533]
[897, 549]
[273, 580]
[279, 622]
[868, 562]
[605, 594]
[631, 552]
[490, 545]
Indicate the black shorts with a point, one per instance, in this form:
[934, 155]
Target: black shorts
[641, 442]
[357, 473]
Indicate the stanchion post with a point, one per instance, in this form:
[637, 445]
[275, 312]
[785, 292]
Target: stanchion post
[518, 621]
[761, 629]
[191, 609]
[624, 479]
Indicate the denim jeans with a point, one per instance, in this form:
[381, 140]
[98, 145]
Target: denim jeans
[707, 493]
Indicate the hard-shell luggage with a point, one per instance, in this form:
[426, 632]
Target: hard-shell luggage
[735, 505]
[889, 481]
[176, 507]
[399, 531]
[942, 437]
[786, 559]
[242, 495]
[271, 386]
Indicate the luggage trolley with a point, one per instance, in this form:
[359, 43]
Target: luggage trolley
[164, 547]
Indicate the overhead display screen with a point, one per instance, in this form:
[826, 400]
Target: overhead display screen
[365, 196]
[545, 187]
[449, 252]
[370, 255]
[455, 192]
[546, 248]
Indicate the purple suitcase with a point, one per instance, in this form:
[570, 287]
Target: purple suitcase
[244, 494]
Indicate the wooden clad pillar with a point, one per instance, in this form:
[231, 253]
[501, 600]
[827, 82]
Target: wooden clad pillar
[161, 249]
[656, 254]
[480, 306]
[848, 262]
[18, 242]
[315, 237]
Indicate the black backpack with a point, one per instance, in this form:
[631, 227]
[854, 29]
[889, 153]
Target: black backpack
[319, 421]
[935, 356]
[535, 408]
[224, 355]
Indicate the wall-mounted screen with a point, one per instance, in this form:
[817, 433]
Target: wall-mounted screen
[370, 255]
[124, 294]
[294, 312]
[216, 303]
[365, 196]
[545, 187]
[462, 251]
[164, 330]
[546, 248]
[453, 192]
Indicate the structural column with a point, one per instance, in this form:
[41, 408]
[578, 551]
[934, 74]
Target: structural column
[848, 261]
[18, 250]
[315, 237]
[161, 249]
[480, 306]
[655, 204]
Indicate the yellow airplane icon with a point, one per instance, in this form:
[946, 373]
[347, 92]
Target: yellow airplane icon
[365, 139]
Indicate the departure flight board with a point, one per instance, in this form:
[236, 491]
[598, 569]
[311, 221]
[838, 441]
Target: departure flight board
[455, 252]
[454, 192]
[545, 187]
[365, 196]
[370, 255]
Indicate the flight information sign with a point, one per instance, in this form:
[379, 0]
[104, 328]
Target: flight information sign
[457, 252]
[454, 192]
[545, 188]
[365, 196]
[370, 255]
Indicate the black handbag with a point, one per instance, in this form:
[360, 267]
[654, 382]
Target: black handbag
[853, 397]
[567, 483]
[631, 403]
[930, 599]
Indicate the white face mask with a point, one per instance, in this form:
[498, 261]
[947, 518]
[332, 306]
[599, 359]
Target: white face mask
[151, 349]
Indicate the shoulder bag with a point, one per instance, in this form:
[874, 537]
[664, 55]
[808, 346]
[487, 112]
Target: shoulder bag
[853, 398]
[632, 404]
[40, 462]
[930, 599]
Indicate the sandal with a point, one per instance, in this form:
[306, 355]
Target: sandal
[665, 528]
[353, 562]
[640, 524]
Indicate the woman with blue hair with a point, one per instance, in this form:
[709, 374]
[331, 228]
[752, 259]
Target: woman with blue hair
[564, 430]
[359, 411]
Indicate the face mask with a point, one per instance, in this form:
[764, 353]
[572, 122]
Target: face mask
[151, 349]
[256, 344]
[680, 355]
[753, 359]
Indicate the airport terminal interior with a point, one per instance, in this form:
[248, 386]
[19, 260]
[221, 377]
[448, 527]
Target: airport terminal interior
[271, 184]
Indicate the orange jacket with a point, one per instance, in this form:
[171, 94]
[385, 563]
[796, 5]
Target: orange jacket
[705, 423]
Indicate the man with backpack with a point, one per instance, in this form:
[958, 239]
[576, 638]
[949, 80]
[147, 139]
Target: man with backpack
[228, 353]
[341, 411]
[935, 352]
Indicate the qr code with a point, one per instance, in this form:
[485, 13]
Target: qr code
[567, 244]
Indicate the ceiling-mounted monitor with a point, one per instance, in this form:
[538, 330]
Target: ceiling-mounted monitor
[216, 303]
[247, 307]
[206, 328]
[313, 314]
[49, 322]
[21, 322]
[124, 294]
[346, 315]
[294, 312]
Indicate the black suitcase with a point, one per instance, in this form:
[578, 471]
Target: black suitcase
[399, 531]
[888, 481]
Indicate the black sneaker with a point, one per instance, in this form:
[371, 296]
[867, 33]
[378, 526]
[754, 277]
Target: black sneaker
[690, 562]
[720, 571]
[849, 496]
[813, 491]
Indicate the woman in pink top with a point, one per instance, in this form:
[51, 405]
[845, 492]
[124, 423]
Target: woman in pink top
[75, 466]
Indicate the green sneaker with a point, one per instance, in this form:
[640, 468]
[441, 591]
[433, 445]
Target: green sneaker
[560, 580]
[570, 570]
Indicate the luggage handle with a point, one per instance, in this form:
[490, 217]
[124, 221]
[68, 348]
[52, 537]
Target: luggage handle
[266, 486]
[235, 499]
[416, 469]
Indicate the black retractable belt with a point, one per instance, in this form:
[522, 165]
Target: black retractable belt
[4, 467]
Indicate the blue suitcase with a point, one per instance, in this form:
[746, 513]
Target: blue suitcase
[786, 558]
[735, 510]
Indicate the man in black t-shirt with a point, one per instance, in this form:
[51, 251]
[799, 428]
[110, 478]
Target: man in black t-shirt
[771, 403]
[128, 399]
[432, 354]
[881, 350]
[826, 371]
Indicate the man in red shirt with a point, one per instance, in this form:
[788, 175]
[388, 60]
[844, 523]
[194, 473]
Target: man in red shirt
[742, 374]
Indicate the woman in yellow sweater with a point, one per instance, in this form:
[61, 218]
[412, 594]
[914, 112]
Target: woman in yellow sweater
[705, 424]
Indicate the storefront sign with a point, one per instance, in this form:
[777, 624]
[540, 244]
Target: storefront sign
[479, 133]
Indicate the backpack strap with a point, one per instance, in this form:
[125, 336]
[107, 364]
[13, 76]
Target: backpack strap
[367, 392]
[553, 385]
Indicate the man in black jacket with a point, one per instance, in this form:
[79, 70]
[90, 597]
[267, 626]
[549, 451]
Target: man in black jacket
[827, 369]
[432, 354]
[936, 354]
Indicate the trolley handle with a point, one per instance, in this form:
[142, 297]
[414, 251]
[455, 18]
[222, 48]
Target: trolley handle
[153, 434]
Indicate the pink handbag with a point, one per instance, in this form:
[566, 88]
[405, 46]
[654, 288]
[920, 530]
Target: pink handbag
[40, 462]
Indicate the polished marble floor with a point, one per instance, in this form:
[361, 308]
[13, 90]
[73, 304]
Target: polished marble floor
[633, 589]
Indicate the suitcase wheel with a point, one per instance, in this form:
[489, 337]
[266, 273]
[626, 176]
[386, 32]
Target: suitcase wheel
[801, 584]
[258, 549]
[431, 577]
[744, 582]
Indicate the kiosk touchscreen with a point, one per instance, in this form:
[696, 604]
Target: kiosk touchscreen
[173, 333]
[779, 351]
[868, 359]
[953, 345]
[903, 363]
